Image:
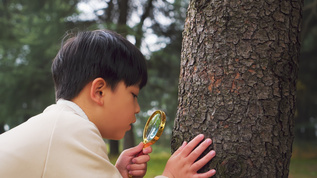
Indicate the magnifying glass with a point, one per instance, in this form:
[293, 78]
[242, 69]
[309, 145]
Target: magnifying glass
[153, 129]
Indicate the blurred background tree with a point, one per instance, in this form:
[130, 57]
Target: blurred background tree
[31, 32]
[306, 117]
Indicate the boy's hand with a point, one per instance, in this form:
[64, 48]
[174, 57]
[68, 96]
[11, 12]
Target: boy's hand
[129, 164]
[183, 162]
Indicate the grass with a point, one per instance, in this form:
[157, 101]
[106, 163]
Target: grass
[299, 168]
[303, 168]
[303, 162]
[157, 164]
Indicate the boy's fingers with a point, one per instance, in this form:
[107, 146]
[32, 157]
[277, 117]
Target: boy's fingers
[192, 144]
[203, 161]
[210, 173]
[180, 148]
[135, 173]
[147, 150]
[135, 150]
[199, 150]
[141, 159]
[132, 167]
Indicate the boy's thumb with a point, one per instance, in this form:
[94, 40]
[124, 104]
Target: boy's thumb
[136, 149]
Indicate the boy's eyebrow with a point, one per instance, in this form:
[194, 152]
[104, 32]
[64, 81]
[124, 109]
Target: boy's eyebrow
[136, 87]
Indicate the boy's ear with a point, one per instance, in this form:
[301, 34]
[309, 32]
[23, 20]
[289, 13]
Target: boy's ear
[97, 90]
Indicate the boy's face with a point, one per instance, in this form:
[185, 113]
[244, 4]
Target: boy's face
[119, 109]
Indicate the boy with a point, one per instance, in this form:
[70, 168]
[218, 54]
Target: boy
[97, 78]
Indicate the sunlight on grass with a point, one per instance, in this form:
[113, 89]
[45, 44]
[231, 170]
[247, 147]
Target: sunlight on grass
[304, 160]
[157, 164]
[303, 168]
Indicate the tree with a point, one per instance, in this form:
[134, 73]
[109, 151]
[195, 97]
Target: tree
[121, 28]
[239, 67]
[30, 37]
[306, 115]
[32, 40]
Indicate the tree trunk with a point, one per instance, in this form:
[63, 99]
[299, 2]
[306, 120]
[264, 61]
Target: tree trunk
[122, 29]
[114, 147]
[129, 140]
[2, 127]
[139, 28]
[237, 83]
[124, 9]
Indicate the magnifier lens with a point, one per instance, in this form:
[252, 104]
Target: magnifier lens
[153, 127]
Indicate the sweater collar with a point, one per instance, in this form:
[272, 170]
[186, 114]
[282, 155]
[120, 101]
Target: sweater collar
[74, 106]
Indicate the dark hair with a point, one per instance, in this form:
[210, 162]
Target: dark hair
[92, 54]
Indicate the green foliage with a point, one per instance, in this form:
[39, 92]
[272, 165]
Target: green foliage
[30, 36]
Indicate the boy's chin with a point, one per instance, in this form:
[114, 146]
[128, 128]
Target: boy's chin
[114, 137]
[117, 137]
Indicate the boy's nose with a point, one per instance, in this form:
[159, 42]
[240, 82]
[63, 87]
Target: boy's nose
[137, 108]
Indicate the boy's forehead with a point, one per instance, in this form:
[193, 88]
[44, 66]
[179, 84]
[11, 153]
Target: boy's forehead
[136, 87]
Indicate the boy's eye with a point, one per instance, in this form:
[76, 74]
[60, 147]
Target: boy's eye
[134, 95]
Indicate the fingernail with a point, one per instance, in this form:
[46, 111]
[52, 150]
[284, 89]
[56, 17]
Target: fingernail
[184, 143]
[208, 140]
[212, 152]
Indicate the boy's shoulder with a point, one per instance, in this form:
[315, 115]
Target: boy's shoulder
[55, 138]
[66, 119]
[56, 120]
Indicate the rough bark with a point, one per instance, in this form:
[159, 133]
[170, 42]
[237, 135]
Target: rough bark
[237, 83]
